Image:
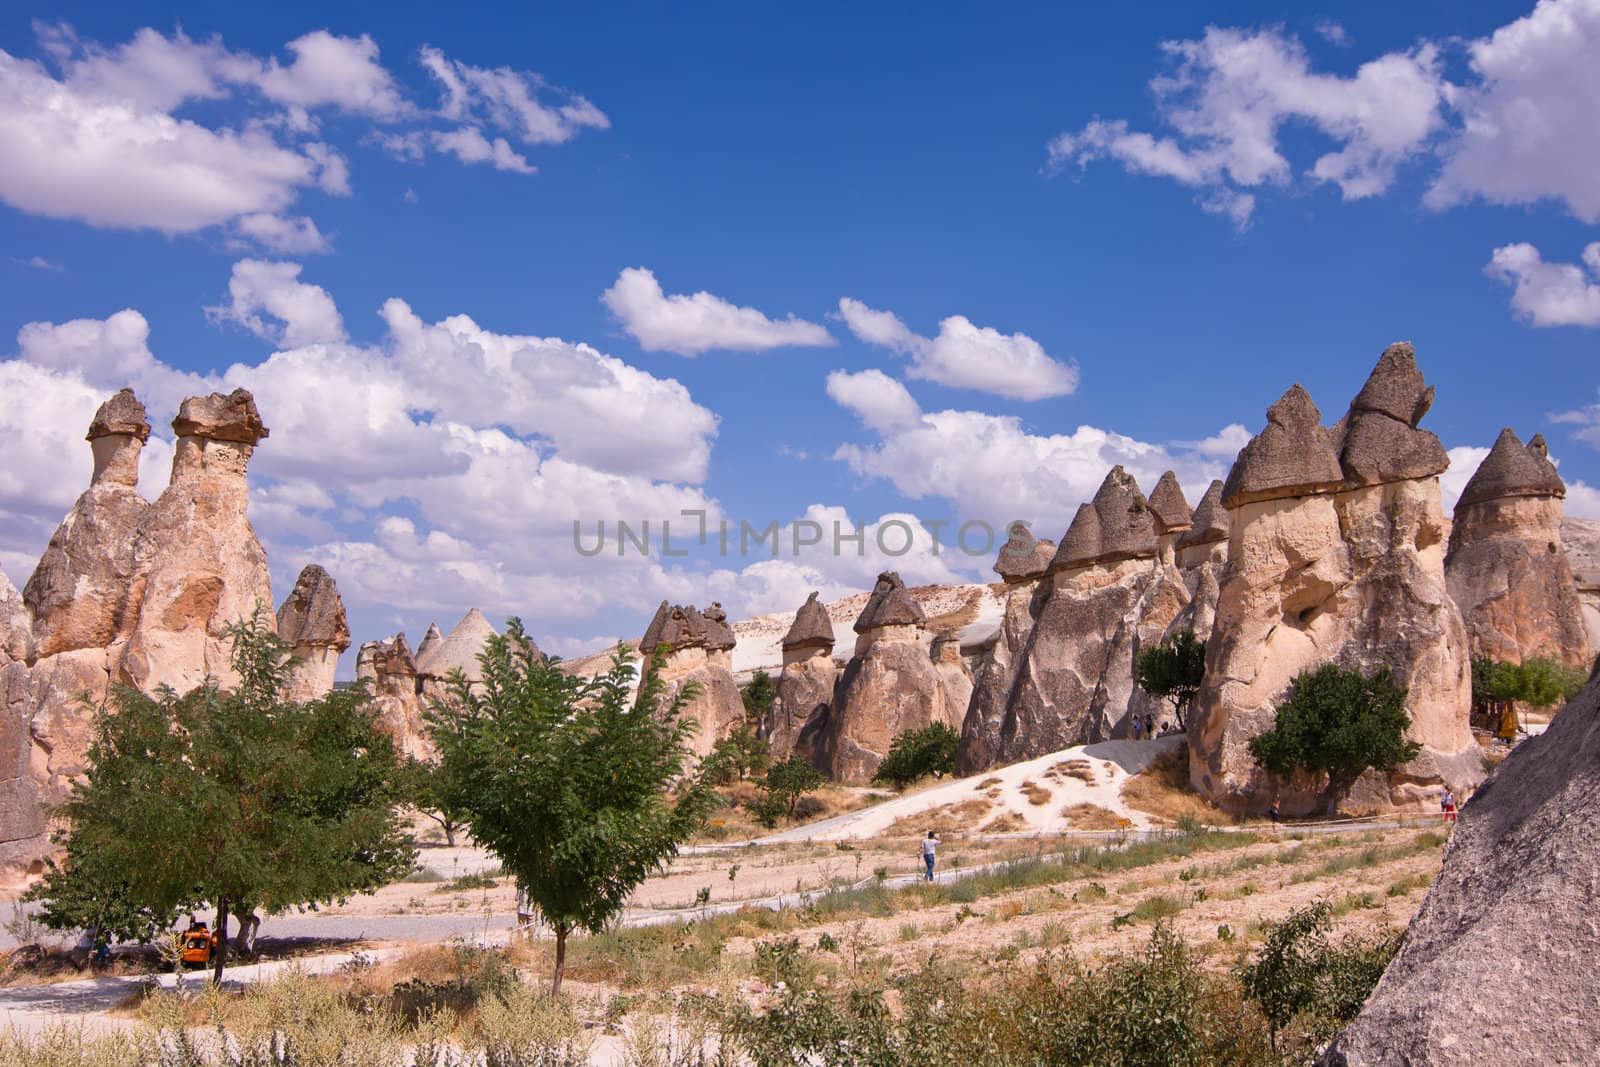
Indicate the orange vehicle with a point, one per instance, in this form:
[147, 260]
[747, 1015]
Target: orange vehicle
[198, 941]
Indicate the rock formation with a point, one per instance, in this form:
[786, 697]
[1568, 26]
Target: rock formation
[1498, 964]
[1505, 568]
[1108, 594]
[439, 657]
[1580, 543]
[699, 649]
[389, 668]
[83, 593]
[954, 674]
[890, 686]
[804, 695]
[1202, 555]
[312, 620]
[16, 632]
[1336, 550]
[206, 569]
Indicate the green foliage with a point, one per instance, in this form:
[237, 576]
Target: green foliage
[1540, 682]
[782, 788]
[758, 695]
[1307, 985]
[738, 756]
[233, 797]
[570, 780]
[917, 754]
[1173, 670]
[1340, 723]
[425, 787]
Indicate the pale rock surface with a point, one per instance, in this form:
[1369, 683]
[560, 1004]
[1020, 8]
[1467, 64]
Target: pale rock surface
[206, 568]
[889, 687]
[804, 695]
[1498, 963]
[699, 650]
[1022, 558]
[389, 668]
[438, 657]
[954, 674]
[16, 636]
[1353, 575]
[1580, 541]
[1506, 568]
[84, 591]
[1202, 557]
[313, 621]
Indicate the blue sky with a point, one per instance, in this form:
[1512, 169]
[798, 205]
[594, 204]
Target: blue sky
[1103, 236]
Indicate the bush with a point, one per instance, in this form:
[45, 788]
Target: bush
[782, 789]
[917, 754]
[1173, 670]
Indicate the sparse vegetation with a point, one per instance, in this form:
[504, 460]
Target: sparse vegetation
[782, 789]
[918, 754]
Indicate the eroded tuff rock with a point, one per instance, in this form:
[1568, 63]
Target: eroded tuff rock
[1378, 440]
[890, 686]
[804, 694]
[84, 592]
[996, 673]
[206, 568]
[1347, 572]
[1202, 557]
[312, 620]
[1580, 543]
[16, 635]
[389, 667]
[1498, 964]
[1506, 568]
[440, 657]
[699, 649]
[1022, 558]
[1061, 671]
[954, 674]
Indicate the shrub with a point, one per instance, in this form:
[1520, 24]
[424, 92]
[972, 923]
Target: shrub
[918, 753]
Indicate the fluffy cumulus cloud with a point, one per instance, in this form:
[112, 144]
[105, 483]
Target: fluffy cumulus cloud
[965, 356]
[1549, 294]
[107, 135]
[690, 324]
[991, 465]
[1518, 129]
[261, 291]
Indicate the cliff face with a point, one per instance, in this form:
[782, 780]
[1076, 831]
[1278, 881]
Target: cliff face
[1336, 554]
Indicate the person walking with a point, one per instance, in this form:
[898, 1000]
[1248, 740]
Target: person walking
[1447, 804]
[1138, 727]
[929, 845]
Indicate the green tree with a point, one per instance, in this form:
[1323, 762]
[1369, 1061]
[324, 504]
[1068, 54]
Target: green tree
[1173, 670]
[1340, 723]
[918, 753]
[784, 785]
[428, 792]
[739, 755]
[569, 781]
[234, 797]
[1539, 682]
[758, 696]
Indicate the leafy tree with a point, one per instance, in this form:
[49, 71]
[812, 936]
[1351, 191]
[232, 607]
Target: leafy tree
[1539, 682]
[1340, 723]
[739, 755]
[784, 785]
[427, 790]
[1173, 670]
[917, 754]
[758, 695]
[568, 781]
[235, 797]
[1301, 977]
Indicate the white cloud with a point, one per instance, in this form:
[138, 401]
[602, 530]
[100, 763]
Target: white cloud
[1227, 98]
[1333, 31]
[1549, 294]
[509, 100]
[1583, 500]
[965, 356]
[329, 70]
[105, 355]
[260, 290]
[38, 263]
[1464, 460]
[875, 398]
[692, 324]
[291, 236]
[1528, 123]
[470, 146]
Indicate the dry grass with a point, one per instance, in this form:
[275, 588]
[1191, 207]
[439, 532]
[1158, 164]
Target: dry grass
[1081, 769]
[1008, 823]
[1037, 794]
[947, 818]
[1092, 817]
[987, 782]
[1163, 791]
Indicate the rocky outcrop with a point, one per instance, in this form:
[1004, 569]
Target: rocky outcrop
[890, 686]
[84, 592]
[312, 620]
[1023, 559]
[1202, 557]
[389, 669]
[1348, 571]
[438, 658]
[698, 648]
[804, 696]
[1498, 964]
[1172, 515]
[16, 630]
[206, 568]
[1109, 593]
[1580, 543]
[954, 674]
[1506, 569]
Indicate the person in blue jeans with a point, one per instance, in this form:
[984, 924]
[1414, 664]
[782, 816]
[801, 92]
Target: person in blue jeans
[929, 845]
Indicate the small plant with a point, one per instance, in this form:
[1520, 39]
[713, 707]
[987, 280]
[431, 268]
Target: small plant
[1225, 934]
[1173, 670]
[917, 754]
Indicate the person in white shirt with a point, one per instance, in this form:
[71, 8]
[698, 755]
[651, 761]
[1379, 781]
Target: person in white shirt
[929, 845]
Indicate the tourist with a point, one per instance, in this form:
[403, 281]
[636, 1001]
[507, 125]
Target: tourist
[1138, 727]
[929, 844]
